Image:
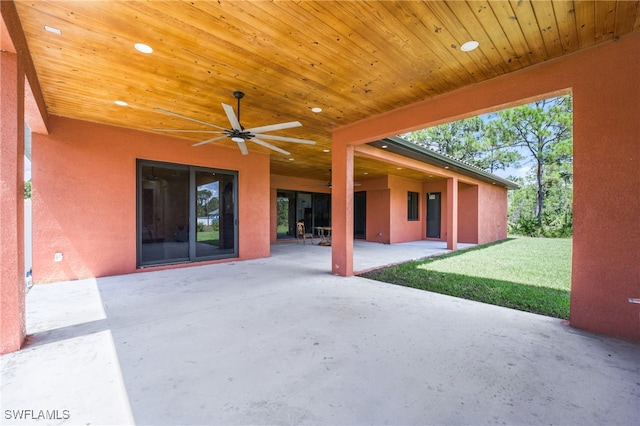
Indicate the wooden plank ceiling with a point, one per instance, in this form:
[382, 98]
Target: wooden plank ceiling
[353, 59]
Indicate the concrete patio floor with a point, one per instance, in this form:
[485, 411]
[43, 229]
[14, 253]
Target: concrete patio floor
[282, 341]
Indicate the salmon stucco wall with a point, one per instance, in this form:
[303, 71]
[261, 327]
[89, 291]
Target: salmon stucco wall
[606, 203]
[402, 229]
[12, 289]
[482, 211]
[290, 183]
[606, 146]
[84, 196]
[377, 208]
[378, 215]
[468, 213]
[492, 214]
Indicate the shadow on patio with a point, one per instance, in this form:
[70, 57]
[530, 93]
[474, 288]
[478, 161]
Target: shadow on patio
[366, 255]
[282, 341]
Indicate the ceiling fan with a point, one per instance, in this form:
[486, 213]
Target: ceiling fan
[238, 133]
[330, 185]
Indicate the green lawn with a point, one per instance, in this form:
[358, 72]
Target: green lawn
[529, 274]
[208, 237]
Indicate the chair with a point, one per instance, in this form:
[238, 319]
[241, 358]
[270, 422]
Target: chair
[303, 234]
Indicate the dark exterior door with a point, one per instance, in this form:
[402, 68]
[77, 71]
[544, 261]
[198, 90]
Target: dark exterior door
[433, 215]
[360, 215]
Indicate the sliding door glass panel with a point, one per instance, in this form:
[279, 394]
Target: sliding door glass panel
[322, 210]
[216, 211]
[164, 214]
[207, 208]
[286, 212]
[305, 210]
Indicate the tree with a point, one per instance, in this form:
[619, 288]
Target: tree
[283, 212]
[470, 141]
[27, 189]
[459, 139]
[495, 154]
[203, 199]
[544, 129]
[497, 141]
[213, 204]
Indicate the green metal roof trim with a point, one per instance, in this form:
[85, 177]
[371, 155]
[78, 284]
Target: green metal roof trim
[409, 149]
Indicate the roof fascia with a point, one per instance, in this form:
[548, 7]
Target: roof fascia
[438, 159]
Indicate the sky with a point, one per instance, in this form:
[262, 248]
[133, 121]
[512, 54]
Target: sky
[513, 171]
[27, 169]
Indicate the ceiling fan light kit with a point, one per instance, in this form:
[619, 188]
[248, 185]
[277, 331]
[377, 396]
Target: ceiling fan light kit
[238, 133]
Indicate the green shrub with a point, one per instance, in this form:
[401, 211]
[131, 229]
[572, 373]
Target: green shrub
[527, 226]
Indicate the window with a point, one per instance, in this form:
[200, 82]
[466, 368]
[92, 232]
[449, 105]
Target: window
[185, 213]
[412, 206]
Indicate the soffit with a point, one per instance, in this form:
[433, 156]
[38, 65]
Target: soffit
[353, 59]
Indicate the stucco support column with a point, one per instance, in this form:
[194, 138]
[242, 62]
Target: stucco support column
[342, 210]
[12, 290]
[452, 214]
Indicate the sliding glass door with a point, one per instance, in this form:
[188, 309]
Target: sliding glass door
[286, 212]
[313, 209]
[185, 213]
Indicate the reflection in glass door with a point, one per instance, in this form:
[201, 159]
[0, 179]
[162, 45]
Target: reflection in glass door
[215, 211]
[164, 211]
[305, 210]
[185, 214]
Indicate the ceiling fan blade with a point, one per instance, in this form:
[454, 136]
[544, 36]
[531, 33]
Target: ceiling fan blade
[164, 111]
[209, 140]
[243, 147]
[231, 115]
[285, 139]
[272, 127]
[268, 145]
[188, 131]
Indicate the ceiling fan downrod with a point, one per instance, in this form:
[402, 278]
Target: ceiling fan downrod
[239, 95]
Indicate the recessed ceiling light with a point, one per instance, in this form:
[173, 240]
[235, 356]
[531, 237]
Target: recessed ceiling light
[326, 150]
[121, 103]
[291, 159]
[446, 167]
[52, 30]
[469, 46]
[144, 48]
[365, 173]
[399, 168]
[384, 147]
[316, 109]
